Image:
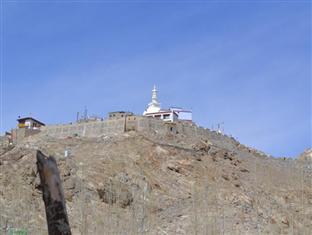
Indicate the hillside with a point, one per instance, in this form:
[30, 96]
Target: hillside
[144, 183]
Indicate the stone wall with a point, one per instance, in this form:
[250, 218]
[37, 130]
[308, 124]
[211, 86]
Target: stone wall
[110, 126]
[135, 123]
[86, 129]
[21, 133]
[4, 141]
[149, 124]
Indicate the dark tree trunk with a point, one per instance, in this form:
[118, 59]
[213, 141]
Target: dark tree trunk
[53, 196]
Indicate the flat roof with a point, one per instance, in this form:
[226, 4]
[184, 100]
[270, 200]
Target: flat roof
[30, 118]
[162, 112]
[121, 112]
[180, 110]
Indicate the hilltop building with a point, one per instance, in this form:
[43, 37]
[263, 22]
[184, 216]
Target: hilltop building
[29, 123]
[172, 114]
[116, 121]
[183, 114]
[119, 114]
[27, 126]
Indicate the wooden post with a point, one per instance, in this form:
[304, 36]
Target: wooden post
[53, 196]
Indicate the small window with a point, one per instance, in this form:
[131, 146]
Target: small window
[167, 116]
[121, 115]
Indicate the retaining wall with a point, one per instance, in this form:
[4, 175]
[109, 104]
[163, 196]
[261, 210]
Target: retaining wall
[135, 123]
[87, 129]
[110, 126]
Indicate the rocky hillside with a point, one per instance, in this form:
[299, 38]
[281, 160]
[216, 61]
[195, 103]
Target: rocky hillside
[306, 155]
[141, 183]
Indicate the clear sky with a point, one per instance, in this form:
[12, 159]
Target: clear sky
[245, 64]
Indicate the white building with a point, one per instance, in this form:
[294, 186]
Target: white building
[154, 110]
[183, 114]
[29, 123]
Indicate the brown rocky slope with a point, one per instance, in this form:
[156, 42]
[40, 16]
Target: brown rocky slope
[141, 183]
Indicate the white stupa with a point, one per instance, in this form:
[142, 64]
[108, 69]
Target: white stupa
[154, 106]
[169, 115]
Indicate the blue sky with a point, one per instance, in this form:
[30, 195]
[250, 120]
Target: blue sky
[245, 64]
